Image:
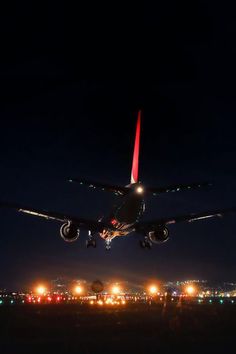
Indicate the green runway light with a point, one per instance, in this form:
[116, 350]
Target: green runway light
[1, 302]
[221, 301]
[210, 301]
[232, 301]
[12, 301]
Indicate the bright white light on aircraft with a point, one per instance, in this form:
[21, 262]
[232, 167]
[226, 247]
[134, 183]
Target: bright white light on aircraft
[139, 189]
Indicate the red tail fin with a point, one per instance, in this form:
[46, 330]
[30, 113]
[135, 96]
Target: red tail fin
[134, 172]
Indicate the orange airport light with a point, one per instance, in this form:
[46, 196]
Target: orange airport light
[116, 290]
[190, 290]
[41, 290]
[153, 289]
[109, 301]
[78, 289]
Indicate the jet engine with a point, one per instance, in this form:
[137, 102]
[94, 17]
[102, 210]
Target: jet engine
[69, 232]
[159, 235]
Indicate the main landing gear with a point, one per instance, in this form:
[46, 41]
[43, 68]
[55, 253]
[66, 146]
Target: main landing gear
[146, 243]
[91, 242]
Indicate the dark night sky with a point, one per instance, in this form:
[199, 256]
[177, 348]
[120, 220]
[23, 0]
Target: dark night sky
[72, 81]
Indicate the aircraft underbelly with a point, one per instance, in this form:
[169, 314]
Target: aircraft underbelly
[124, 217]
[110, 234]
[129, 211]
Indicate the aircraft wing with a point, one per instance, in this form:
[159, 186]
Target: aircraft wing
[118, 190]
[51, 215]
[151, 225]
[177, 188]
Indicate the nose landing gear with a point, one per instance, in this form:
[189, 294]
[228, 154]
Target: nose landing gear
[108, 244]
[91, 242]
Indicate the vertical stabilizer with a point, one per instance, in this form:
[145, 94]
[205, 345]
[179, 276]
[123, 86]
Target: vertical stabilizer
[134, 172]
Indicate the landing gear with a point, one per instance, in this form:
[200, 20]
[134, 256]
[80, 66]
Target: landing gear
[108, 244]
[146, 243]
[91, 242]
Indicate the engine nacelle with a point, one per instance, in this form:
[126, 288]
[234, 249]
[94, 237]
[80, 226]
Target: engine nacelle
[159, 235]
[69, 232]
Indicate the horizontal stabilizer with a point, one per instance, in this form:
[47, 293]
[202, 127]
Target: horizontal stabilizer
[118, 190]
[177, 188]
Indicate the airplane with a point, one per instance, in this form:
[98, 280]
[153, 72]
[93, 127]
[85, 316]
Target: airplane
[126, 217]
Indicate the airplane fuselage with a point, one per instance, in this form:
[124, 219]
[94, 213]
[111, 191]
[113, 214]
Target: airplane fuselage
[125, 215]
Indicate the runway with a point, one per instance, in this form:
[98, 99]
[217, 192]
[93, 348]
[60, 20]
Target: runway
[135, 328]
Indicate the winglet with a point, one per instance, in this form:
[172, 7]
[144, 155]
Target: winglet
[134, 172]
